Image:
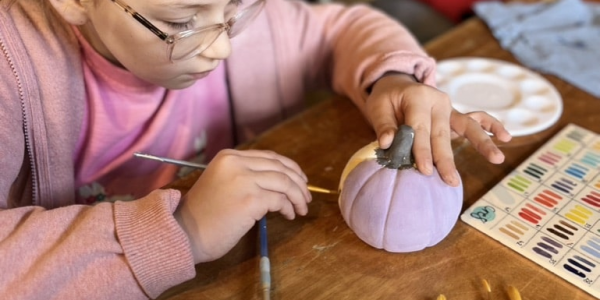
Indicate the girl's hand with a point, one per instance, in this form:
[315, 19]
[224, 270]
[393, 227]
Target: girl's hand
[236, 190]
[399, 99]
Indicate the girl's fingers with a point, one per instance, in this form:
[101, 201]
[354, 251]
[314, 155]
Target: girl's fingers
[272, 174]
[492, 125]
[383, 122]
[395, 100]
[278, 202]
[267, 154]
[263, 161]
[262, 165]
[443, 157]
[482, 142]
[422, 149]
[288, 191]
[427, 111]
[473, 130]
[419, 117]
[462, 122]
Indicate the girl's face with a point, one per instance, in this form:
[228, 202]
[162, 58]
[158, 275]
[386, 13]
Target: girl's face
[120, 38]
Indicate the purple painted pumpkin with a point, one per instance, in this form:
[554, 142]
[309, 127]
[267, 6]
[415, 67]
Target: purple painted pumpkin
[396, 210]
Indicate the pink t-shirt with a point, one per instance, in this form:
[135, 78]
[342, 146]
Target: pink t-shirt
[126, 114]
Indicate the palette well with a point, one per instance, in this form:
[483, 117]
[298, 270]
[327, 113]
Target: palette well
[521, 99]
[548, 208]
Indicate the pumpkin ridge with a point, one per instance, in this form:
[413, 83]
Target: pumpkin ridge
[361, 189]
[430, 204]
[394, 184]
[350, 194]
[441, 215]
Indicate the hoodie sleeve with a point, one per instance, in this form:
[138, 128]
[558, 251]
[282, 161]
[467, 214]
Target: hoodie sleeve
[346, 47]
[121, 250]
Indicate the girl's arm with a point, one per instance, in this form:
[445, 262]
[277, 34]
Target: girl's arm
[354, 48]
[346, 47]
[122, 250]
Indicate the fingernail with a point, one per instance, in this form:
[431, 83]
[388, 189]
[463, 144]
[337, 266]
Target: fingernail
[428, 168]
[451, 180]
[386, 138]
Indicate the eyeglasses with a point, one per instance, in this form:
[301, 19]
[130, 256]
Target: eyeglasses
[190, 43]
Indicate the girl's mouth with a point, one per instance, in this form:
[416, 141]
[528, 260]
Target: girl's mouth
[200, 75]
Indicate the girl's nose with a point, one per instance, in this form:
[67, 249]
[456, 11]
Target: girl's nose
[220, 49]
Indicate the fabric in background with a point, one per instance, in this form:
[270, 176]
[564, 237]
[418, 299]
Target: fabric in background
[560, 38]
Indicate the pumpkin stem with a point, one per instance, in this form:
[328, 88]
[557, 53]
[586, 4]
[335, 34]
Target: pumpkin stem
[399, 154]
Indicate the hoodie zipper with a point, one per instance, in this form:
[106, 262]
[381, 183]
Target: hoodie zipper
[34, 183]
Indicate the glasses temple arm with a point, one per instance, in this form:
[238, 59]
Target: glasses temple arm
[161, 34]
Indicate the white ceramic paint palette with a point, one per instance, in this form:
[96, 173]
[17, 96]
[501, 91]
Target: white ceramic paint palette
[548, 208]
[521, 99]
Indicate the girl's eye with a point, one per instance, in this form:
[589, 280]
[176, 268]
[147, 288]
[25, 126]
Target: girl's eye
[181, 26]
[230, 11]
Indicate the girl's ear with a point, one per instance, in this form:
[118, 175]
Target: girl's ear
[73, 11]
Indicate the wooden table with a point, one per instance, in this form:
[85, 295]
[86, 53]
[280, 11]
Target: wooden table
[319, 257]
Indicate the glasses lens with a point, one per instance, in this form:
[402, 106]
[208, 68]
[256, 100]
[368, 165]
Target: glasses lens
[189, 44]
[245, 17]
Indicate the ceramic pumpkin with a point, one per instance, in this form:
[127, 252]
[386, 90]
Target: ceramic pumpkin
[398, 210]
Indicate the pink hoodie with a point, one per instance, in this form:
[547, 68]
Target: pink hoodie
[51, 248]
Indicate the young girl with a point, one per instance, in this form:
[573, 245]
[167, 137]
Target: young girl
[85, 84]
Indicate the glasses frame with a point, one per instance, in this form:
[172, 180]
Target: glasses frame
[171, 39]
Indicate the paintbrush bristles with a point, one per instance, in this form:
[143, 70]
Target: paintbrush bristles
[317, 189]
[513, 293]
[441, 297]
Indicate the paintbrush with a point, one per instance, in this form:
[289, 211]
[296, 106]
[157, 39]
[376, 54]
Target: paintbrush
[265, 264]
[184, 163]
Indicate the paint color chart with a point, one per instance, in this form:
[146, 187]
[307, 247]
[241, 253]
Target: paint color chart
[548, 209]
